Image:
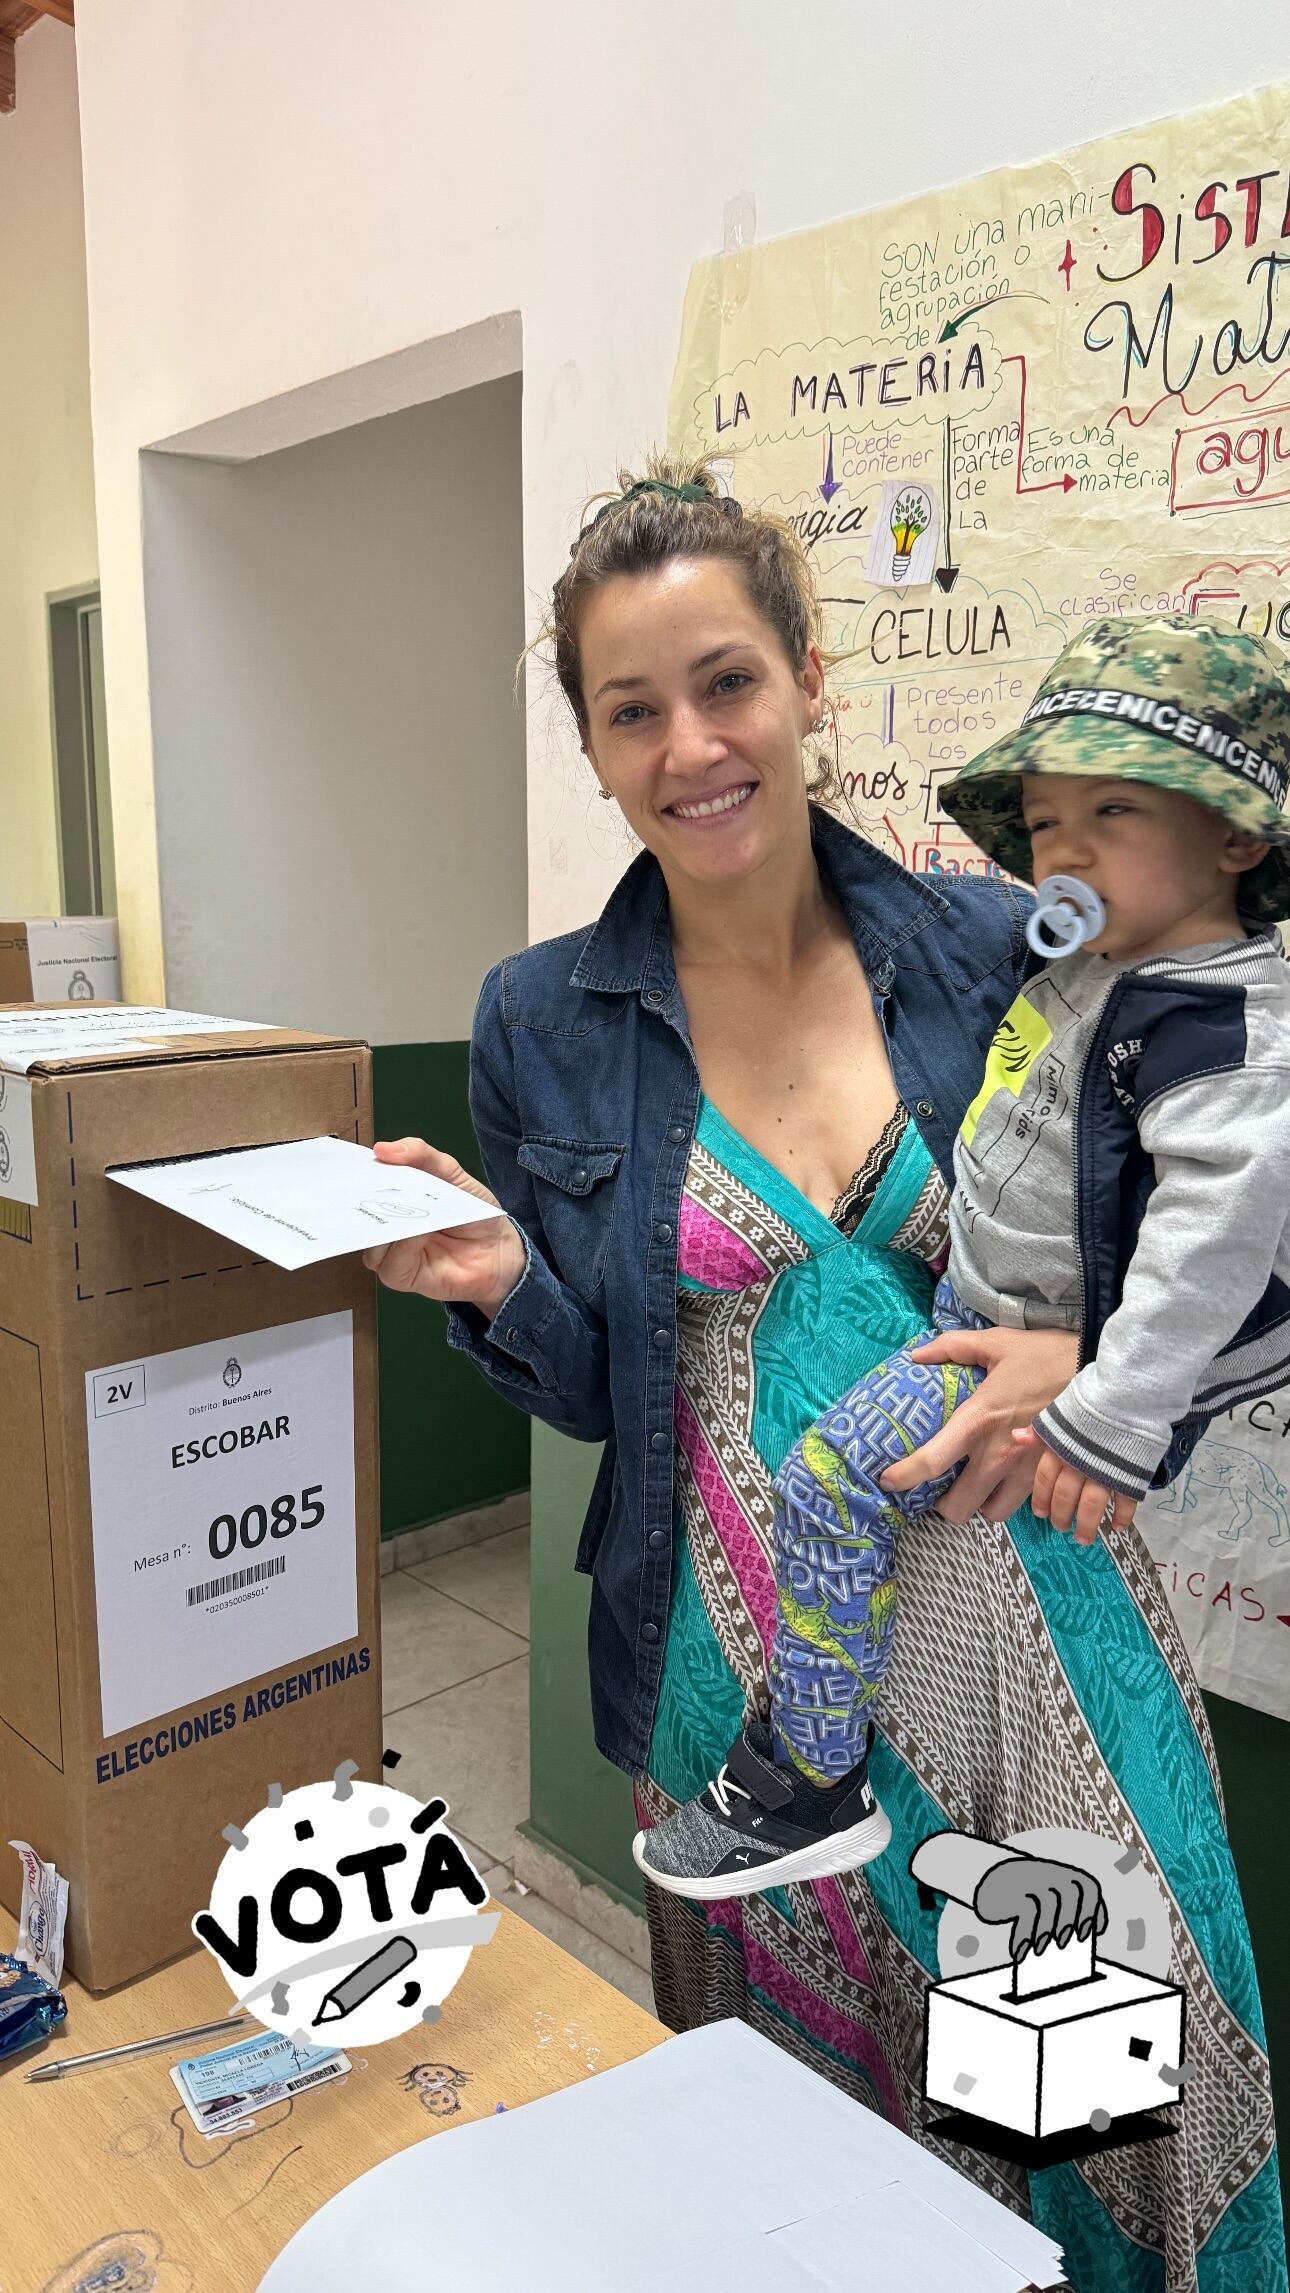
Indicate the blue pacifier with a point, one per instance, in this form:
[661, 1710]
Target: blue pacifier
[1067, 915]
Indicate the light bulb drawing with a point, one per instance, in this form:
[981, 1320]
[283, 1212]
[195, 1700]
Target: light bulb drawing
[911, 516]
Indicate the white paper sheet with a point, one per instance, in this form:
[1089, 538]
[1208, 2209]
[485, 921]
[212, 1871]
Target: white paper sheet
[734, 2131]
[222, 1503]
[310, 1199]
[891, 2240]
[26, 1037]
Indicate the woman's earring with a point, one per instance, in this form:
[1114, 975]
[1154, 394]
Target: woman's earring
[607, 797]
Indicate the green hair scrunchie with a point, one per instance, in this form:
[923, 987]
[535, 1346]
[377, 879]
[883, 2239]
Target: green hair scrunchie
[686, 493]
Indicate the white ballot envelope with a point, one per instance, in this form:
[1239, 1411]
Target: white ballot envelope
[305, 1201]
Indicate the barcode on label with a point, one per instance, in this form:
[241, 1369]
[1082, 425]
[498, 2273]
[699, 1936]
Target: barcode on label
[309, 2077]
[236, 1581]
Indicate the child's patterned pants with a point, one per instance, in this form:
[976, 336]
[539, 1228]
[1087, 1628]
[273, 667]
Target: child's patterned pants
[835, 1548]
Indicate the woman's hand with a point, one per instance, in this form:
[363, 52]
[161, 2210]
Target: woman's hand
[476, 1265]
[1024, 1371]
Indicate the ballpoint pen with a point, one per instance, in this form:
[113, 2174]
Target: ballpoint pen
[135, 2046]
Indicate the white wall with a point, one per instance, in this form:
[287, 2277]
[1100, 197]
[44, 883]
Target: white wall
[47, 539]
[333, 632]
[276, 193]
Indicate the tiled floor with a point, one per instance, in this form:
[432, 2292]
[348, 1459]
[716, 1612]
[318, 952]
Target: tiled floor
[455, 1624]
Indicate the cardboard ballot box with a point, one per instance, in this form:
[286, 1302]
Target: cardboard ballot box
[60, 959]
[188, 1501]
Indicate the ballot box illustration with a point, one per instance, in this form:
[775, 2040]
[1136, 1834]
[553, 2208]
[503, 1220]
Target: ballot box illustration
[1061, 2040]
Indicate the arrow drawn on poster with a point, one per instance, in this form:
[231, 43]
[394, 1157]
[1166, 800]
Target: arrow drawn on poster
[1049, 485]
[948, 573]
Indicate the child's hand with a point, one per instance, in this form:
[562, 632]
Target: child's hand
[1068, 1499]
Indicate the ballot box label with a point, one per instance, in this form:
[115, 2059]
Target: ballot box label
[74, 959]
[17, 1141]
[222, 1500]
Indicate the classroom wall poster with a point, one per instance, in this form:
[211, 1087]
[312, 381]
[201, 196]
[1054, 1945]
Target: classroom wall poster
[995, 412]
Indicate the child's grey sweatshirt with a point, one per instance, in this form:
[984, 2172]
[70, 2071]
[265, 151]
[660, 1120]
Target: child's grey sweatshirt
[1204, 1069]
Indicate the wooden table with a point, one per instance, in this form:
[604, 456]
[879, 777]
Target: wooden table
[105, 2182]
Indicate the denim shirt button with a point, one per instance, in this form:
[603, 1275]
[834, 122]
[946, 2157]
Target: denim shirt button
[649, 1632]
[925, 1108]
[580, 1177]
[653, 996]
[662, 1338]
[677, 1133]
[656, 1540]
[662, 1232]
[660, 1441]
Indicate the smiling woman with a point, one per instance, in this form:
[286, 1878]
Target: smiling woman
[718, 1127]
[698, 739]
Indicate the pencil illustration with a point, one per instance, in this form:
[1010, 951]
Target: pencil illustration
[379, 1969]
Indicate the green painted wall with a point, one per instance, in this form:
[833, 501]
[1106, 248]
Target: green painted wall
[447, 1443]
[1254, 1760]
[581, 1806]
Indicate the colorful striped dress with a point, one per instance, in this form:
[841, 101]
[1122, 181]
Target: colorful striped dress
[1034, 1684]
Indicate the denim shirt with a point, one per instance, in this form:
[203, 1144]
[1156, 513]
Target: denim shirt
[584, 1094]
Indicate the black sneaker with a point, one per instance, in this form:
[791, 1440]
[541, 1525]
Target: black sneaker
[761, 1824]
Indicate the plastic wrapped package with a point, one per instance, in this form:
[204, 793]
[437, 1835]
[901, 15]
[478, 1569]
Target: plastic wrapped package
[30, 2007]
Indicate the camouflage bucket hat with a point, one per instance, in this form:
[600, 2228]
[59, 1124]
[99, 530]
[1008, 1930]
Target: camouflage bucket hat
[1186, 704]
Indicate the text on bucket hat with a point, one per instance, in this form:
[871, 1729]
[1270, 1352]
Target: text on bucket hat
[1186, 704]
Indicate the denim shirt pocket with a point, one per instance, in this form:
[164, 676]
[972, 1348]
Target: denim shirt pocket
[576, 1197]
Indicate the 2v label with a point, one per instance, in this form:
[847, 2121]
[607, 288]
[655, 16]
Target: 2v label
[117, 1389]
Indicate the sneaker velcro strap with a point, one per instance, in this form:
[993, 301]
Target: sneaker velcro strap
[758, 1776]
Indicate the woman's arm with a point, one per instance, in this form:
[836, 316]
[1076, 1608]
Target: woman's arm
[529, 1333]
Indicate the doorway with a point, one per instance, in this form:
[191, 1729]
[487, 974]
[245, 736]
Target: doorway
[82, 788]
[339, 766]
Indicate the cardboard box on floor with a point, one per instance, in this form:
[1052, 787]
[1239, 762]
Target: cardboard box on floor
[188, 1491]
[60, 959]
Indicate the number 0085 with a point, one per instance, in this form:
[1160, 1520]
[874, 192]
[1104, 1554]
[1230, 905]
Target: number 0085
[280, 1519]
